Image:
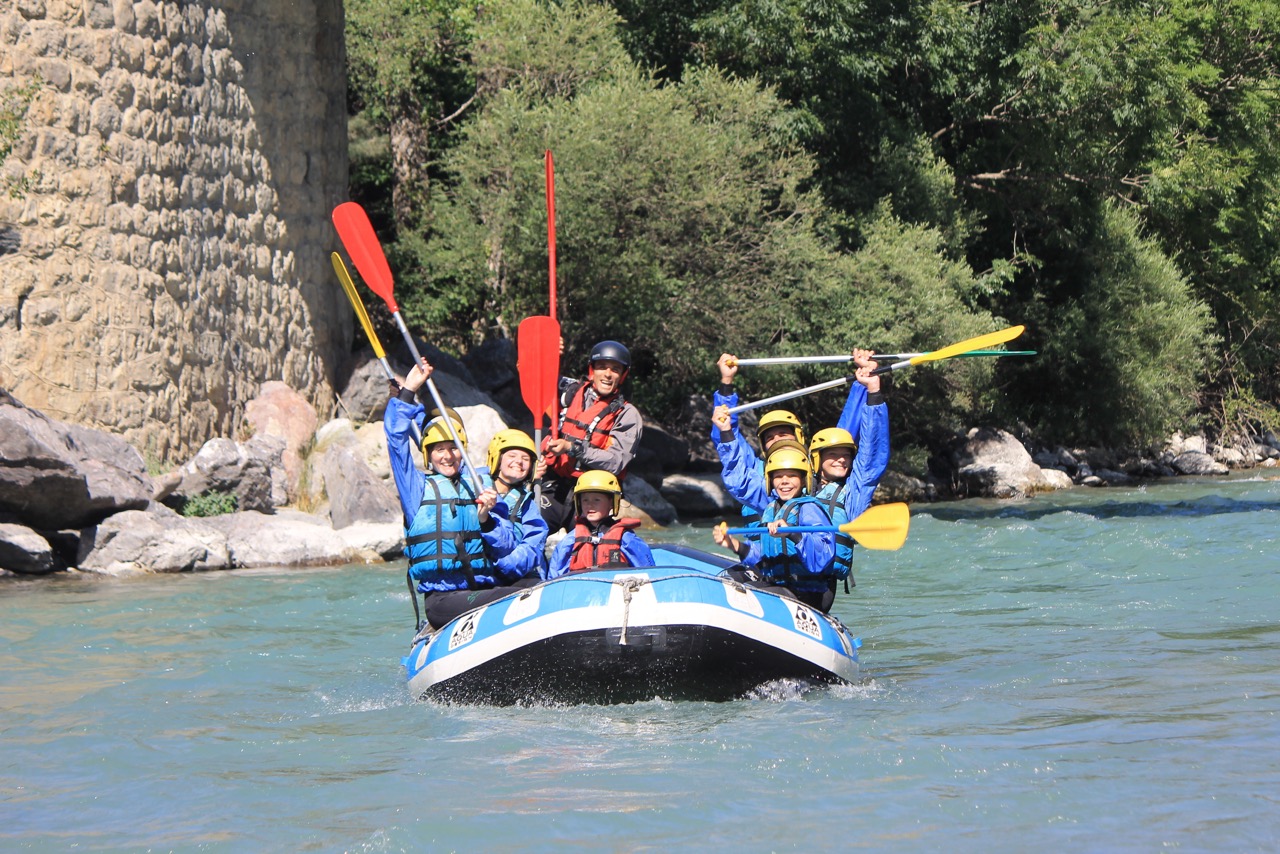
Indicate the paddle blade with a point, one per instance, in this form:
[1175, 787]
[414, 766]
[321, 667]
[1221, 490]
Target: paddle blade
[357, 235]
[982, 342]
[882, 528]
[538, 361]
[354, 296]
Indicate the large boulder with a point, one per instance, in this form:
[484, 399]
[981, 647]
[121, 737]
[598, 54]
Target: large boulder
[291, 538]
[493, 364]
[896, 486]
[660, 453]
[648, 501]
[24, 551]
[992, 463]
[698, 495]
[1198, 463]
[253, 472]
[280, 411]
[354, 491]
[693, 428]
[152, 540]
[364, 397]
[56, 475]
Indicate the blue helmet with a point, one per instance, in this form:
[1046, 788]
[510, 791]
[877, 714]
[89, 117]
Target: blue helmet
[613, 351]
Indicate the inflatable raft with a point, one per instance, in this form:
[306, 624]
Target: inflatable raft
[678, 630]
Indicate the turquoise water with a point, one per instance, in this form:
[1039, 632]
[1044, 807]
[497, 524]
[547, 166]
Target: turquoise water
[1092, 671]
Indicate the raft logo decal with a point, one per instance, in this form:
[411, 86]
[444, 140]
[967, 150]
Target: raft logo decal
[805, 622]
[465, 631]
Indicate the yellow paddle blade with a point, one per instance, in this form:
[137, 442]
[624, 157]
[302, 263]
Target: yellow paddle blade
[982, 342]
[352, 294]
[883, 527]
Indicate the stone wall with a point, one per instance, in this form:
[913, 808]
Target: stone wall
[166, 239]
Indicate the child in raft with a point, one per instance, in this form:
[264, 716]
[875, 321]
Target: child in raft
[512, 465]
[799, 564]
[598, 538]
[865, 413]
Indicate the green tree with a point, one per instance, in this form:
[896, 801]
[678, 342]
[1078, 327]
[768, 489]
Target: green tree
[684, 224]
[1124, 360]
[407, 81]
[1038, 113]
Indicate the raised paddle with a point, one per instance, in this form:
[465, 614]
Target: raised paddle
[982, 342]
[882, 528]
[357, 235]
[353, 295]
[551, 228]
[879, 357]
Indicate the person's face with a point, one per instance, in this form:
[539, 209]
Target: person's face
[606, 376]
[835, 462]
[596, 506]
[787, 483]
[445, 458]
[774, 433]
[514, 465]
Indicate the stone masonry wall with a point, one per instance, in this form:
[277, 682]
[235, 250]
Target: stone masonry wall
[165, 212]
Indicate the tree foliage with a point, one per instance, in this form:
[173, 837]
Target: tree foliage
[790, 176]
[685, 226]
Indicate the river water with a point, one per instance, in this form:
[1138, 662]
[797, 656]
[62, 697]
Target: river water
[1089, 671]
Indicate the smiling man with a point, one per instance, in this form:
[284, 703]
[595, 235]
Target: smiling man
[598, 429]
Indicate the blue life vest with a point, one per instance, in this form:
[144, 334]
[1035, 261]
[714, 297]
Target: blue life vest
[830, 497]
[516, 500]
[780, 560]
[443, 541]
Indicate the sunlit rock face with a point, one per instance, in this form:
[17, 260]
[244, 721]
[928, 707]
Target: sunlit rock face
[164, 211]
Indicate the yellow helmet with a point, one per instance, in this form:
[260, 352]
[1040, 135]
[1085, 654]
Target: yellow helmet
[506, 440]
[787, 458]
[437, 432]
[831, 437]
[780, 418]
[597, 480]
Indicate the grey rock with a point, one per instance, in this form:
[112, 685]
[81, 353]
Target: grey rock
[1056, 478]
[1115, 478]
[56, 475]
[1198, 463]
[364, 397]
[1228, 456]
[253, 472]
[670, 452]
[896, 486]
[697, 495]
[152, 540]
[493, 364]
[994, 464]
[354, 492]
[649, 501]
[26, 552]
[291, 538]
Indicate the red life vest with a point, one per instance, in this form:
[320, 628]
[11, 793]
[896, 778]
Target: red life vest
[592, 550]
[592, 423]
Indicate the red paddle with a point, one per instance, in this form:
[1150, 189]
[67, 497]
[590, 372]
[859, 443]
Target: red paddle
[357, 235]
[538, 359]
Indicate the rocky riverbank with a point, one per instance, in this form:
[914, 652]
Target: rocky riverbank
[306, 493]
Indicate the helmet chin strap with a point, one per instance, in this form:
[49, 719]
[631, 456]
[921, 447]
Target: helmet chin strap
[511, 484]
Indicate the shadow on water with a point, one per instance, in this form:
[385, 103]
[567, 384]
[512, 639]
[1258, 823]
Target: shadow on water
[1207, 506]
